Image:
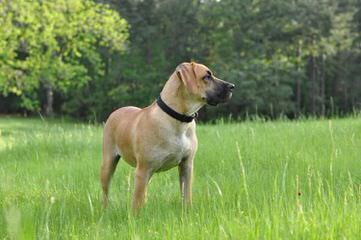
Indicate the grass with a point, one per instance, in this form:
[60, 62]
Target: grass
[253, 180]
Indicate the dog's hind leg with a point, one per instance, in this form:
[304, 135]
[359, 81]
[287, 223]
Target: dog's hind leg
[109, 164]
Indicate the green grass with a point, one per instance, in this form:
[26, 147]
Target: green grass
[253, 180]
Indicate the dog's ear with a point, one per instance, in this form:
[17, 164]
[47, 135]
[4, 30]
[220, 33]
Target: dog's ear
[186, 74]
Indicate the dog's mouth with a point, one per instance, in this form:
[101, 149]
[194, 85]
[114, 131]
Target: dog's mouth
[220, 93]
[217, 99]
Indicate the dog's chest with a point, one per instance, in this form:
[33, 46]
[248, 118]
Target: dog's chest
[171, 152]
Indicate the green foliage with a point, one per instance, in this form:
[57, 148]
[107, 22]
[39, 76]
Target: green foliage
[290, 58]
[54, 43]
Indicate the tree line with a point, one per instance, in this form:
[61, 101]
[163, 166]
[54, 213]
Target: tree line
[84, 59]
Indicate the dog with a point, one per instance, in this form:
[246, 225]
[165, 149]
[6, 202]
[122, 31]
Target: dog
[162, 135]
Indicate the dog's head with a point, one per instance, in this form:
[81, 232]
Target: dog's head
[200, 83]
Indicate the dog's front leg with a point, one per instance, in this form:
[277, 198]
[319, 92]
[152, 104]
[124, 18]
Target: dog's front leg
[142, 177]
[185, 180]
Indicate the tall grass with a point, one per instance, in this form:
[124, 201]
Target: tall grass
[288, 180]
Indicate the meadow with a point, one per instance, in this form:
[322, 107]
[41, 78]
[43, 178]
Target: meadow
[252, 180]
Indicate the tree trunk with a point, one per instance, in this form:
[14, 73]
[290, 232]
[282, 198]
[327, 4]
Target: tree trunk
[323, 87]
[313, 84]
[299, 82]
[49, 111]
[345, 97]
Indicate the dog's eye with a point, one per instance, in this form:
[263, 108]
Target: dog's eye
[208, 77]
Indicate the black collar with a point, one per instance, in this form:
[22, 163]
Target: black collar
[174, 114]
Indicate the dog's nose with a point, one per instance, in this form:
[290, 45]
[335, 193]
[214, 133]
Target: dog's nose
[231, 86]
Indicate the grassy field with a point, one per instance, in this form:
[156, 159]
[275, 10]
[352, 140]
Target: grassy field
[253, 180]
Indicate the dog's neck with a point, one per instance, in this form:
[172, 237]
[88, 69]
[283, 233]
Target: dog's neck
[177, 98]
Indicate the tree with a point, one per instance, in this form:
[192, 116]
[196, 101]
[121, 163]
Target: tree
[47, 45]
[294, 58]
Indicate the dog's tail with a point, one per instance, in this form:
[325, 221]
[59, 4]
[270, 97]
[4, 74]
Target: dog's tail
[109, 163]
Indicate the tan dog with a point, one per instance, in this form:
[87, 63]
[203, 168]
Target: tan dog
[162, 135]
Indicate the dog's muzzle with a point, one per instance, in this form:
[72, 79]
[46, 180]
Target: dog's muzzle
[221, 95]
